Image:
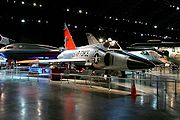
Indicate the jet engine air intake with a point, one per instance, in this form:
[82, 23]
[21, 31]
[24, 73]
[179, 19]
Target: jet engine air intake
[108, 59]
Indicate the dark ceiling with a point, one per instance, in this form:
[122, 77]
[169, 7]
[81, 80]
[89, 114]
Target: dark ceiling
[128, 21]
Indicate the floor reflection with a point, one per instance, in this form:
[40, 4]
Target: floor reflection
[26, 99]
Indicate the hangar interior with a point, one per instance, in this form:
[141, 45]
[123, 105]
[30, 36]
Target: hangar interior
[115, 59]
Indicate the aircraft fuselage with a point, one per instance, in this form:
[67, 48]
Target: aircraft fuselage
[107, 59]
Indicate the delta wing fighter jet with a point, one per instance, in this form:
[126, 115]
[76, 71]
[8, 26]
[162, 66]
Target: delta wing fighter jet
[106, 56]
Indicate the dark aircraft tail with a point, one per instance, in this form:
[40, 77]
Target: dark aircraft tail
[91, 39]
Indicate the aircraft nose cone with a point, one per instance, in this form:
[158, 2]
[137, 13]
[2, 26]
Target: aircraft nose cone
[138, 63]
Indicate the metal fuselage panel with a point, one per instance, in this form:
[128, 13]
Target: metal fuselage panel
[117, 61]
[20, 51]
[106, 59]
[28, 54]
[91, 55]
[98, 58]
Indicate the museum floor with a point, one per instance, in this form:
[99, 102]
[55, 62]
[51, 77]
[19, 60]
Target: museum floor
[35, 98]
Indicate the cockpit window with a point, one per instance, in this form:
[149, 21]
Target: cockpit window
[144, 53]
[112, 45]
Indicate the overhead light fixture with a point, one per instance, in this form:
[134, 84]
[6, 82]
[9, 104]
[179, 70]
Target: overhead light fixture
[34, 4]
[177, 8]
[155, 26]
[23, 21]
[80, 11]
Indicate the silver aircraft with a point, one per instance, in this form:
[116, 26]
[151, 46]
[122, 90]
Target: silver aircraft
[170, 50]
[107, 56]
[146, 54]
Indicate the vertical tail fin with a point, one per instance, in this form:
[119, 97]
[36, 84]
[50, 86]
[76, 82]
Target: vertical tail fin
[69, 43]
[91, 39]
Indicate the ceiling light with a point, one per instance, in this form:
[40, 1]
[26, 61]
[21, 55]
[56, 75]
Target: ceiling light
[23, 21]
[177, 8]
[80, 11]
[34, 4]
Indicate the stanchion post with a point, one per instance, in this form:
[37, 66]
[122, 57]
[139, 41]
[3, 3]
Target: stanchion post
[157, 84]
[109, 82]
[75, 79]
[165, 85]
[38, 78]
[175, 89]
[61, 77]
[150, 82]
[157, 92]
[90, 82]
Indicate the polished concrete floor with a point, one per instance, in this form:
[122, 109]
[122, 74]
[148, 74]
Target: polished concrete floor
[38, 99]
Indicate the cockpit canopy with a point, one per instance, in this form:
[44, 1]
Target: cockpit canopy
[111, 44]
